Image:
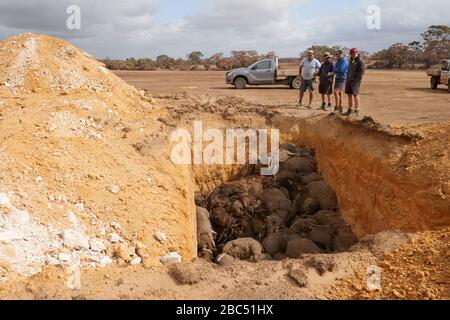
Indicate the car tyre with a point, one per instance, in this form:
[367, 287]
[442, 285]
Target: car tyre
[434, 82]
[240, 83]
[295, 83]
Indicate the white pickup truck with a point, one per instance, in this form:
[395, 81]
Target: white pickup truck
[440, 75]
[265, 72]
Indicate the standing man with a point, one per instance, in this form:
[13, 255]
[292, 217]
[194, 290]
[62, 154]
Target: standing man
[355, 75]
[340, 69]
[326, 73]
[309, 67]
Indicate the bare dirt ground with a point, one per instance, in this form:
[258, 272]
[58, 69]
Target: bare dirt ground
[397, 98]
[86, 183]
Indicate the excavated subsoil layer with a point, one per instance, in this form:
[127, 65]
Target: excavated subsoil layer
[384, 178]
[381, 175]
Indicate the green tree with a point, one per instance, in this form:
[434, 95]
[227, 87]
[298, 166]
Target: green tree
[214, 60]
[399, 54]
[270, 55]
[131, 63]
[195, 57]
[319, 51]
[436, 41]
[243, 58]
[163, 61]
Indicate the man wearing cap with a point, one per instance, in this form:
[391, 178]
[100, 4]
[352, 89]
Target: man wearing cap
[356, 70]
[326, 73]
[309, 67]
[340, 69]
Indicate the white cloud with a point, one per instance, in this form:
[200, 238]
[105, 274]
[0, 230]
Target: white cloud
[118, 28]
[242, 15]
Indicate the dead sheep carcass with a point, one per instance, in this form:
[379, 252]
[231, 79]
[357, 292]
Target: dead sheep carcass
[244, 249]
[205, 232]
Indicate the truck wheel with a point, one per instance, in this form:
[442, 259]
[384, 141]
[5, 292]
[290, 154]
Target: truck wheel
[295, 83]
[434, 83]
[240, 83]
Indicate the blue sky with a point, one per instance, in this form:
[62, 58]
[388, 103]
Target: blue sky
[147, 28]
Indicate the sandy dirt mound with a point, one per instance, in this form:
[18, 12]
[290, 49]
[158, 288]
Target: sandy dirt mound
[417, 269]
[74, 189]
[36, 63]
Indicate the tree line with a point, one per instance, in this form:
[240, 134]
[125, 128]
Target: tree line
[194, 61]
[433, 46]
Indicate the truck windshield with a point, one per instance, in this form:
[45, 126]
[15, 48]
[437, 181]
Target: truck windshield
[263, 65]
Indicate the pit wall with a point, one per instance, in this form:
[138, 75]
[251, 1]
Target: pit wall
[207, 178]
[361, 165]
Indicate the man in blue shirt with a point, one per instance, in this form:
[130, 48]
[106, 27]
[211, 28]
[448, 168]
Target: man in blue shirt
[340, 70]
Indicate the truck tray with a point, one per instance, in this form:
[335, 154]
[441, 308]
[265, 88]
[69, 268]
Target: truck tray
[434, 72]
[287, 72]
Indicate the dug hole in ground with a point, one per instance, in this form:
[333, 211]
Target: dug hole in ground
[91, 206]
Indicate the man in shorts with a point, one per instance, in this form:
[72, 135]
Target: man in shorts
[326, 74]
[355, 75]
[309, 67]
[340, 69]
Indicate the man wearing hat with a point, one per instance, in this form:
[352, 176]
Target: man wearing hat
[355, 75]
[309, 67]
[326, 74]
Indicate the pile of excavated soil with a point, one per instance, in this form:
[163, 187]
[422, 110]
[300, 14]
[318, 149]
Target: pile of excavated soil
[75, 188]
[417, 269]
[35, 63]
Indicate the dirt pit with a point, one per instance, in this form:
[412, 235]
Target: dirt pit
[273, 217]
